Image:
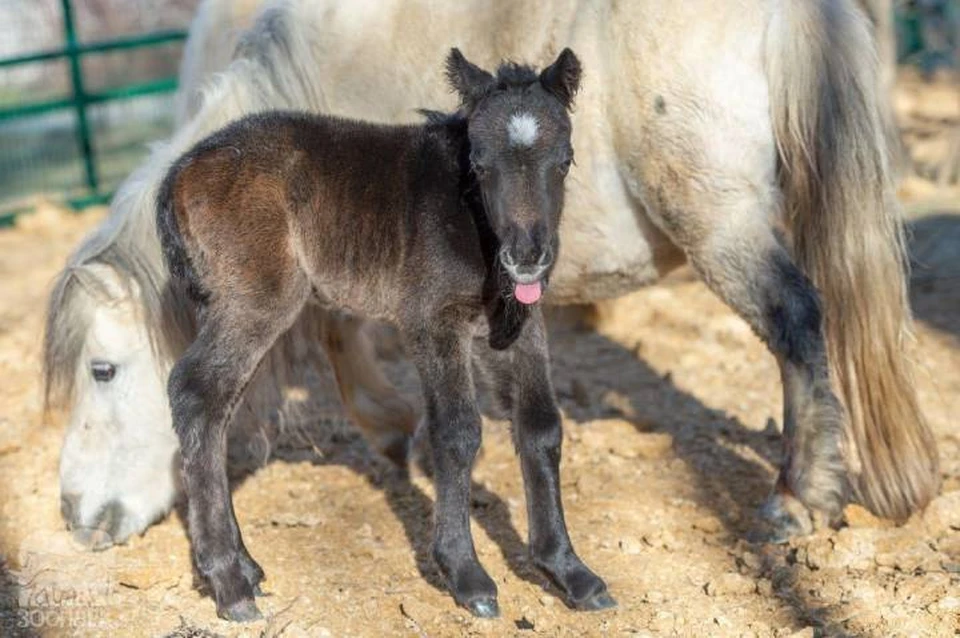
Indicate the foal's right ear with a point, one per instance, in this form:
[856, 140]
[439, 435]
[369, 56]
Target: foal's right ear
[467, 79]
[562, 78]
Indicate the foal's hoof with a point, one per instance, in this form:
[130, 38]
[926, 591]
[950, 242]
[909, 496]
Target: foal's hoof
[484, 607]
[582, 589]
[598, 602]
[240, 611]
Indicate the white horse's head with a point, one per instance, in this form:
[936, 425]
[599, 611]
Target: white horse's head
[118, 465]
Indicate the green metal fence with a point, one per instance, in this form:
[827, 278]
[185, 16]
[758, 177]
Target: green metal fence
[81, 99]
[927, 32]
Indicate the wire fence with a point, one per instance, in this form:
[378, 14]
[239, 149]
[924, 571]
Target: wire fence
[84, 85]
[927, 32]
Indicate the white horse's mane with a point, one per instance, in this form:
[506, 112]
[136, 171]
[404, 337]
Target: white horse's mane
[268, 73]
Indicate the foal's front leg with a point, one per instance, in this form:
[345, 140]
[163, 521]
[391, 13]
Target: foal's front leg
[453, 428]
[538, 434]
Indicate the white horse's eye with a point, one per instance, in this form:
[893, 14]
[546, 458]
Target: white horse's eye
[103, 371]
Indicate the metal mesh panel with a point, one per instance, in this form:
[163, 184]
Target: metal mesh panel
[74, 128]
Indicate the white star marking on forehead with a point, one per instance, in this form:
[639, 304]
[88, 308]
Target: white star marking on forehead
[522, 129]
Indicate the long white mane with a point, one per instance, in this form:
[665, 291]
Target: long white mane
[268, 73]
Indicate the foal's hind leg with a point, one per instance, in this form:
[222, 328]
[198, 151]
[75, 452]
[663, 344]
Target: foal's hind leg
[729, 239]
[205, 387]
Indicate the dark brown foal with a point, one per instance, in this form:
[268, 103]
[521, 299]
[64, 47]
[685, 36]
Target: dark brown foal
[447, 229]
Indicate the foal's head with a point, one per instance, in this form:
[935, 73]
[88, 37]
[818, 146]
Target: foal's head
[518, 124]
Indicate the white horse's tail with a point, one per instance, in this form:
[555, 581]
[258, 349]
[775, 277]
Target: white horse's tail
[273, 67]
[835, 138]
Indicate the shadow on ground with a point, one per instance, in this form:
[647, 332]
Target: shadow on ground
[934, 244]
[728, 483]
[731, 465]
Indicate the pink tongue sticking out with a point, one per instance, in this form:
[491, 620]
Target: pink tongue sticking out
[528, 293]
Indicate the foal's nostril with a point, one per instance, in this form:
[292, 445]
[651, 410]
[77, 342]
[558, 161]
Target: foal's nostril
[546, 258]
[527, 261]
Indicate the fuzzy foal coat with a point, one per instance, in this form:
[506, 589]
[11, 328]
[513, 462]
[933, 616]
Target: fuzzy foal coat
[279, 209]
[306, 178]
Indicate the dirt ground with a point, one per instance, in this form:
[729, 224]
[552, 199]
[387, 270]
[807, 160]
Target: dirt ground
[673, 410]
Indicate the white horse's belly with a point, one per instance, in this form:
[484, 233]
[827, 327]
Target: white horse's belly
[608, 245]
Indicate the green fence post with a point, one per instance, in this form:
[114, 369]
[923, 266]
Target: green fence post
[79, 97]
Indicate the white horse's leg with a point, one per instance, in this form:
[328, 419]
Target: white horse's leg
[700, 155]
[742, 260]
[729, 236]
[384, 416]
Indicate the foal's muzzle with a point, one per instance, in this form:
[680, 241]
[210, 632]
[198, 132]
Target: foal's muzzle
[526, 271]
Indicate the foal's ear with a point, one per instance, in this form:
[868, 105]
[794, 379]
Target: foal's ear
[562, 78]
[467, 79]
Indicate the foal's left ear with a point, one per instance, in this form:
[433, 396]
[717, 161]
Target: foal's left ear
[467, 79]
[562, 78]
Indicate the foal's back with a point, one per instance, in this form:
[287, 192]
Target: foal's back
[278, 202]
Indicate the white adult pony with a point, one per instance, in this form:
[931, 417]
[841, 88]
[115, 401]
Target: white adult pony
[746, 137]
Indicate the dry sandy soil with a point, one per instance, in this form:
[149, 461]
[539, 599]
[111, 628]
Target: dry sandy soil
[672, 423]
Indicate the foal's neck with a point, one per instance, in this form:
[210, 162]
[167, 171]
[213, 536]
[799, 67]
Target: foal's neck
[505, 317]
[454, 128]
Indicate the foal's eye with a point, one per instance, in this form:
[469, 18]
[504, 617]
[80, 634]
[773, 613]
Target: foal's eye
[564, 167]
[103, 371]
[479, 170]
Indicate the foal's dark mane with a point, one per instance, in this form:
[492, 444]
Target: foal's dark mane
[510, 75]
[514, 75]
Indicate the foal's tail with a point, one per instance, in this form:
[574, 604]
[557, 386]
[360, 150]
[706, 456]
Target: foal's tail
[172, 240]
[835, 139]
